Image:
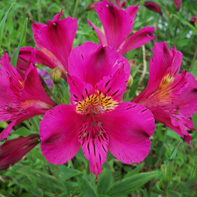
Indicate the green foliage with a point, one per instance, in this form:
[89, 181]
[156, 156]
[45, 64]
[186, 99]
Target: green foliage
[169, 170]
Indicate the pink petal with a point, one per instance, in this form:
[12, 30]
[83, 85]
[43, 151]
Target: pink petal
[4, 134]
[59, 134]
[116, 22]
[79, 90]
[176, 122]
[177, 4]
[99, 33]
[94, 145]
[128, 134]
[56, 38]
[91, 62]
[115, 85]
[41, 58]
[137, 39]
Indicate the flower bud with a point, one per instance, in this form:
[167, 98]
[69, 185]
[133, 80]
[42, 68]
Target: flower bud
[92, 6]
[56, 74]
[153, 6]
[193, 20]
[13, 150]
[130, 82]
[177, 4]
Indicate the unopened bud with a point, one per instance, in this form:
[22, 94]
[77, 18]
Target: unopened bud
[12, 151]
[56, 74]
[153, 6]
[193, 20]
[177, 4]
[130, 82]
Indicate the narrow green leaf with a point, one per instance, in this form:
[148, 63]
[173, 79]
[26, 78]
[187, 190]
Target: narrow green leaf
[2, 24]
[128, 185]
[15, 54]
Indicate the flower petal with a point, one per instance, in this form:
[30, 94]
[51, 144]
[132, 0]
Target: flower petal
[91, 62]
[128, 134]
[59, 134]
[116, 23]
[56, 38]
[94, 145]
[137, 39]
[115, 85]
[99, 33]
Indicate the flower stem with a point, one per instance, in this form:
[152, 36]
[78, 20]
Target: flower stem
[51, 93]
[59, 92]
[144, 64]
[75, 9]
[193, 61]
[34, 124]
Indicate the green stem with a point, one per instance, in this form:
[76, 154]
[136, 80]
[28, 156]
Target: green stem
[59, 92]
[51, 93]
[193, 60]
[34, 124]
[75, 9]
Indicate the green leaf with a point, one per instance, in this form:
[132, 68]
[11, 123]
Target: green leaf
[2, 24]
[87, 189]
[15, 54]
[128, 185]
[104, 181]
[66, 173]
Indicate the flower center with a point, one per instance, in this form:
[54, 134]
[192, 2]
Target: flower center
[96, 103]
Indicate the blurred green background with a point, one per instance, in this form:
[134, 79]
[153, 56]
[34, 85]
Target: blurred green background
[169, 170]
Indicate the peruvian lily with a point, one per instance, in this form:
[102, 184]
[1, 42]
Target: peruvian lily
[169, 95]
[55, 41]
[177, 4]
[21, 97]
[96, 120]
[119, 4]
[13, 150]
[117, 24]
[153, 6]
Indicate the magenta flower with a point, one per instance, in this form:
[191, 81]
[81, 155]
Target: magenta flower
[169, 95]
[119, 4]
[96, 120]
[55, 40]
[177, 4]
[13, 150]
[153, 6]
[117, 24]
[20, 98]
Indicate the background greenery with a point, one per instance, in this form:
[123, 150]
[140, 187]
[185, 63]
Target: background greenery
[169, 170]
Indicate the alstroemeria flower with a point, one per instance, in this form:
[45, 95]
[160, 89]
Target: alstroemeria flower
[177, 4]
[119, 4]
[117, 24]
[13, 150]
[169, 95]
[96, 120]
[55, 40]
[153, 6]
[20, 98]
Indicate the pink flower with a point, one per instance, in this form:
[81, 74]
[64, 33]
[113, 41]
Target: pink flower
[177, 4]
[169, 95]
[117, 24]
[96, 120]
[13, 150]
[55, 40]
[21, 97]
[119, 4]
[153, 6]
